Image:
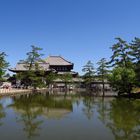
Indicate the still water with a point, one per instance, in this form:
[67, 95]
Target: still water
[43, 117]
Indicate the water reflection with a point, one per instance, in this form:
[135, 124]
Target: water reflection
[28, 115]
[88, 107]
[73, 117]
[122, 117]
[31, 107]
[2, 114]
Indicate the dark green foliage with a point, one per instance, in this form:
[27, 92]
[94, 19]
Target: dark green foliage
[135, 53]
[123, 75]
[34, 76]
[122, 79]
[3, 64]
[120, 55]
[135, 49]
[49, 78]
[89, 73]
[102, 71]
[31, 78]
[66, 78]
[33, 58]
[137, 71]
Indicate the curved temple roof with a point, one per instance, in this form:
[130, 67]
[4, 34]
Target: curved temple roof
[24, 67]
[57, 60]
[46, 65]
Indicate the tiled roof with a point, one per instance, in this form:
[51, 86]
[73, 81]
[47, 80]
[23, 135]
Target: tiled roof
[57, 60]
[45, 65]
[24, 67]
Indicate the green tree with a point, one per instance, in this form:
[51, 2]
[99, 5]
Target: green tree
[34, 74]
[137, 71]
[135, 53]
[122, 77]
[33, 58]
[102, 72]
[135, 49]
[89, 72]
[49, 78]
[122, 80]
[66, 78]
[121, 56]
[3, 64]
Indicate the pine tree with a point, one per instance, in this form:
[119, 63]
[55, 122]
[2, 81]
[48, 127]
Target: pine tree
[3, 64]
[33, 75]
[122, 77]
[66, 78]
[121, 55]
[33, 58]
[89, 73]
[102, 72]
[135, 49]
[135, 53]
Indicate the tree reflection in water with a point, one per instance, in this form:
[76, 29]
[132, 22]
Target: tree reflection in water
[88, 108]
[122, 117]
[31, 107]
[2, 114]
[29, 113]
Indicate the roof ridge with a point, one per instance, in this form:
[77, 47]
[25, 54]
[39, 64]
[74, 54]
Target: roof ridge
[59, 57]
[33, 63]
[57, 60]
[65, 59]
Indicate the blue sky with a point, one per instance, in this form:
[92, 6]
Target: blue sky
[78, 30]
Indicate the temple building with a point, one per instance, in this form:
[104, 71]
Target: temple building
[55, 64]
[60, 65]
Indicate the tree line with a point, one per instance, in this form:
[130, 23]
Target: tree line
[122, 70]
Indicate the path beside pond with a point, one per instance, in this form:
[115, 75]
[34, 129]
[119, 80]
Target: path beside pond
[10, 92]
[13, 92]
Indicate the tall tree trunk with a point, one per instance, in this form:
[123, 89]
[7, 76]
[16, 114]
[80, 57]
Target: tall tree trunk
[65, 86]
[103, 88]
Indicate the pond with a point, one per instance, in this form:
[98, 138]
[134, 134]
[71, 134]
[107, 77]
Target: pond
[42, 117]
